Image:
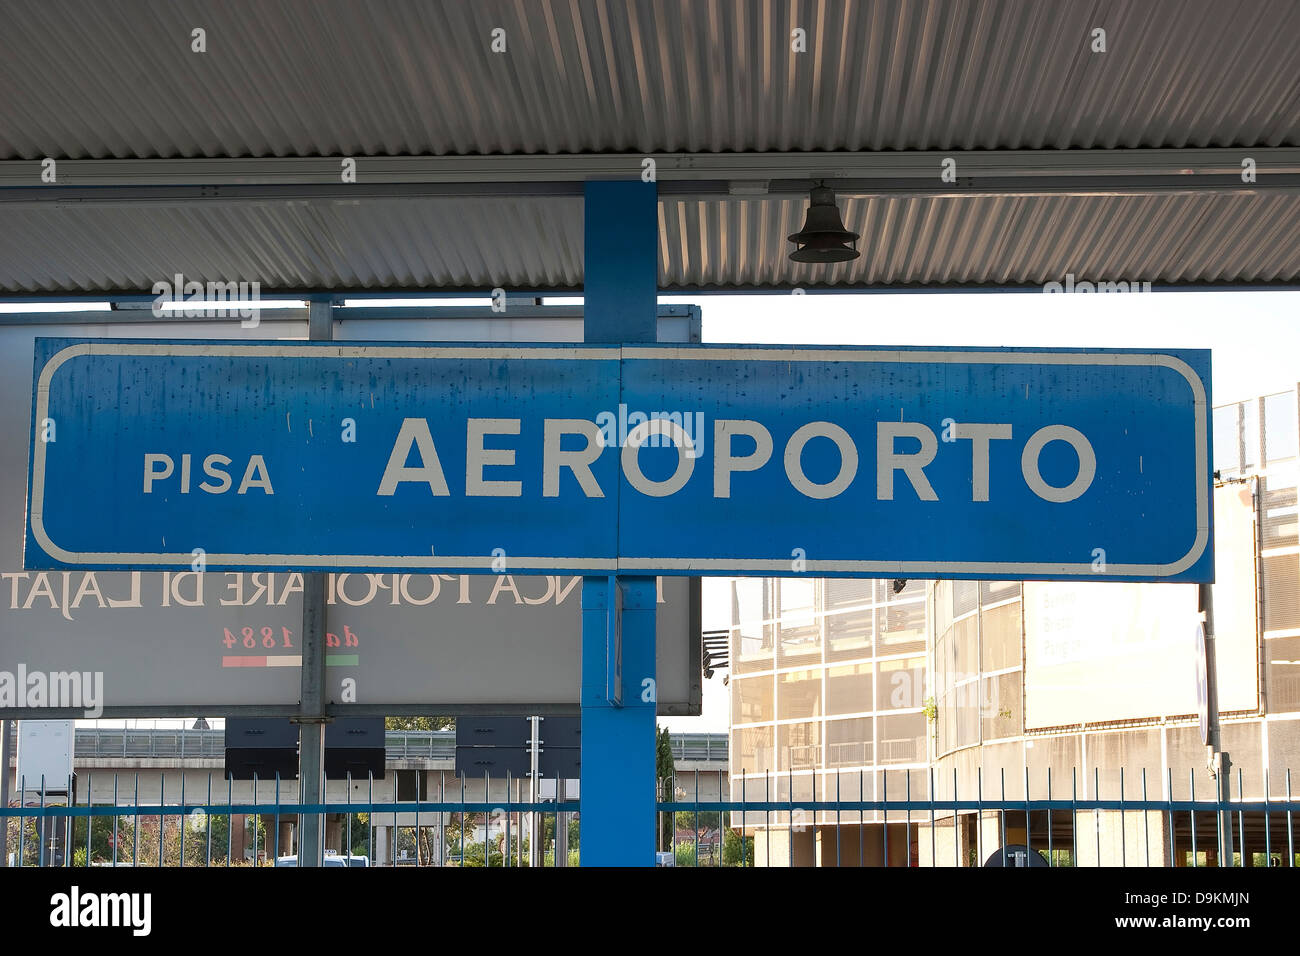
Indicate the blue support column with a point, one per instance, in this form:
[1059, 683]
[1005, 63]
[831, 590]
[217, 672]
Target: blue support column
[618, 742]
[620, 286]
[617, 798]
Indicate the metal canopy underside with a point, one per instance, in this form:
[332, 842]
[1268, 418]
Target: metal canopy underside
[224, 165]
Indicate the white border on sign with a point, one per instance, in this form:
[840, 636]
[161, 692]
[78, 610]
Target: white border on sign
[680, 565]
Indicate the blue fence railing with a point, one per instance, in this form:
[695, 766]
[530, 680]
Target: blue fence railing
[704, 818]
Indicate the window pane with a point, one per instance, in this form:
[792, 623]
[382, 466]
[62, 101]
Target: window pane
[798, 694]
[964, 596]
[964, 641]
[1283, 657]
[942, 606]
[904, 628]
[900, 684]
[751, 752]
[849, 634]
[849, 742]
[991, 592]
[1280, 423]
[1000, 708]
[748, 612]
[1250, 432]
[902, 738]
[798, 746]
[799, 629]
[847, 592]
[848, 688]
[1279, 511]
[752, 699]
[1281, 592]
[967, 705]
[1227, 455]
[1000, 642]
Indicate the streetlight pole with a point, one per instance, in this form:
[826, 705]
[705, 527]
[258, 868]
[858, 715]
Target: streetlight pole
[1219, 763]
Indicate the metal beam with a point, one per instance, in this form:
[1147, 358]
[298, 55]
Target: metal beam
[670, 167]
[681, 176]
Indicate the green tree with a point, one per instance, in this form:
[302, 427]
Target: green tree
[737, 850]
[420, 723]
[664, 775]
[709, 820]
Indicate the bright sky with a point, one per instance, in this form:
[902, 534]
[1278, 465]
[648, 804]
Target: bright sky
[1254, 338]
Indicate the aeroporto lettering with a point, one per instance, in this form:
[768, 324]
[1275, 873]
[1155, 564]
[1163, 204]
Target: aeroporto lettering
[415, 435]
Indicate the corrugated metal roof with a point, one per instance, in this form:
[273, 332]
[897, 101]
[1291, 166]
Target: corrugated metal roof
[536, 243]
[88, 79]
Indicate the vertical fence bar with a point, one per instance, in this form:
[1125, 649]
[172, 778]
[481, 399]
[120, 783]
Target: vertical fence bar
[1029, 843]
[697, 816]
[347, 839]
[884, 826]
[803, 811]
[743, 819]
[979, 815]
[1096, 813]
[1173, 845]
[90, 817]
[276, 824]
[838, 863]
[1123, 843]
[907, 825]
[257, 821]
[1074, 816]
[182, 818]
[956, 836]
[1241, 815]
[22, 820]
[162, 820]
[370, 816]
[207, 820]
[934, 863]
[230, 819]
[115, 821]
[1051, 821]
[767, 814]
[1146, 822]
[1002, 816]
[1268, 841]
[1191, 775]
[41, 828]
[1290, 838]
[862, 822]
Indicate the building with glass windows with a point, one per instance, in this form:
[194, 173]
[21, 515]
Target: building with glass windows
[882, 690]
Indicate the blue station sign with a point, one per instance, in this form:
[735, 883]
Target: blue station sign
[728, 460]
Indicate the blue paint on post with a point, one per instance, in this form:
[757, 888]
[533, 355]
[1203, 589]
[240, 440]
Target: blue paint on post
[618, 742]
[621, 288]
[621, 273]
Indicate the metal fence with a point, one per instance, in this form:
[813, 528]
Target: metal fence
[161, 743]
[703, 819]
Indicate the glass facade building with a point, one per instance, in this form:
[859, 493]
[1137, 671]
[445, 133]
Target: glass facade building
[848, 687]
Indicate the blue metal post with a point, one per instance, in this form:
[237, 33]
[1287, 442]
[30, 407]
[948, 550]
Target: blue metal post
[621, 264]
[620, 289]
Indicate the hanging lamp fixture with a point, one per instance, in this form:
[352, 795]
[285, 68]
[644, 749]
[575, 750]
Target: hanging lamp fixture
[823, 237]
